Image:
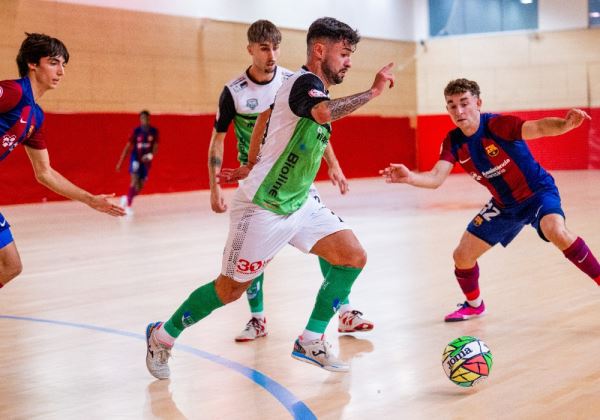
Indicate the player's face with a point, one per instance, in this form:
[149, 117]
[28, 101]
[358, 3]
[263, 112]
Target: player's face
[336, 61]
[48, 72]
[464, 109]
[144, 119]
[264, 56]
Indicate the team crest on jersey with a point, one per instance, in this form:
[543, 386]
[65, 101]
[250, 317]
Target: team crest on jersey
[252, 103]
[492, 150]
[316, 93]
[478, 220]
[8, 140]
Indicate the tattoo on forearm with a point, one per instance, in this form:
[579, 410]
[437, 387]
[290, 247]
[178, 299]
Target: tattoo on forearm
[343, 106]
[215, 161]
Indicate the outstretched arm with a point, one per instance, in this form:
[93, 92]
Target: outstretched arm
[335, 109]
[398, 173]
[47, 176]
[552, 126]
[335, 171]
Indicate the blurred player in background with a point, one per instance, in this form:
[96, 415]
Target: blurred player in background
[143, 144]
[41, 61]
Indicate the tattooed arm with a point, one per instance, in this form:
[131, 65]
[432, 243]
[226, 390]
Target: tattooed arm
[338, 108]
[215, 160]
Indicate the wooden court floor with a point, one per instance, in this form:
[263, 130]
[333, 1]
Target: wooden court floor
[71, 326]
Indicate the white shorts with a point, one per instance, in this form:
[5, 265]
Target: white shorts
[256, 234]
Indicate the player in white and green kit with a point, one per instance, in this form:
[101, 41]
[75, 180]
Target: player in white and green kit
[272, 207]
[241, 101]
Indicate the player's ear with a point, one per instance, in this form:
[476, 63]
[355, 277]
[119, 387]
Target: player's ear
[479, 102]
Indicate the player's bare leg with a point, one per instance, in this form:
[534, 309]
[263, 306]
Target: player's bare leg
[10, 263]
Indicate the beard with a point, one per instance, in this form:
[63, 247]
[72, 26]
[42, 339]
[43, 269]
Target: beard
[334, 77]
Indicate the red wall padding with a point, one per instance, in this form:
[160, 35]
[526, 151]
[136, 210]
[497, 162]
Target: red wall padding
[85, 149]
[578, 149]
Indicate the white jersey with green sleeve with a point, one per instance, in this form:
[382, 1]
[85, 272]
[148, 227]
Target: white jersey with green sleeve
[293, 148]
[242, 99]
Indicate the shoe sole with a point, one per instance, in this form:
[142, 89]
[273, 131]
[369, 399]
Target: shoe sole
[359, 328]
[245, 340]
[303, 358]
[464, 318]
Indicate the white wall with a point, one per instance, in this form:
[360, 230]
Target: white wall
[562, 14]
[385, 19]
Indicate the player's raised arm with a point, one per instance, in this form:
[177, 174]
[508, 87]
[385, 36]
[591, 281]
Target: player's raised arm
[553, 126]
[399, 173]
[338, 108]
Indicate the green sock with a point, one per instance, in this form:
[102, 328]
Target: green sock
[325, 267]
[201, 302]
[255, 294]
[334, 290]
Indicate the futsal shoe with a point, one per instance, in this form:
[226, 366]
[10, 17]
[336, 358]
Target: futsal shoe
[255, 328]
[318, 353]
[465, 311]
[157, 354]
[352, 321]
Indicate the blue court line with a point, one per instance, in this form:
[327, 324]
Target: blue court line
[297, 408]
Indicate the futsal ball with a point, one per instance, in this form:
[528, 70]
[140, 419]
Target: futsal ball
[467, 361]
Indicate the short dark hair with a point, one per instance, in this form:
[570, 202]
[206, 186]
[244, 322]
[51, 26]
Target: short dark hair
[461, 86]
[145, 112]
[333, 30]
[36, 46]
[264, 31]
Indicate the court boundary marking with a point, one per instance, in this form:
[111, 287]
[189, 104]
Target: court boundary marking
[292, 404]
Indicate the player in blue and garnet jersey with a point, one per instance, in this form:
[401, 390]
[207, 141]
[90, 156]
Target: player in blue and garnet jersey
[492, 149]
[143, 144]
[41, 61]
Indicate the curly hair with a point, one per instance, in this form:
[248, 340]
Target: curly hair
[461, 86]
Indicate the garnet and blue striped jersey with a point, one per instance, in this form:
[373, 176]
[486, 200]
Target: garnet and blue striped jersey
[21, 118]
[142, 141]
[498, 158]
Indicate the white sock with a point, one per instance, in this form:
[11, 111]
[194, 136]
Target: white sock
[310, 336]
[345, 308]
[475, 302]
[164, 337]
[258, 315]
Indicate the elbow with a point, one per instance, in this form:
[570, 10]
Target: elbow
[43, 177]
[322, 116]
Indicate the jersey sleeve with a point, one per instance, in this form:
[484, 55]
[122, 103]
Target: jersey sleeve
[308, 90]
[226, 111]
[10, 95]
[507, 127]
[37, 139]
[446, 151]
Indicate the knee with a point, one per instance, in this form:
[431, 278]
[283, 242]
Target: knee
[10, 271]
[462, 258]
[357, 258]
[230, 290]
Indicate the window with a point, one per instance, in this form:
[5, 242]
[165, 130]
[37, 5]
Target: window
[594, 8]
[455, 17]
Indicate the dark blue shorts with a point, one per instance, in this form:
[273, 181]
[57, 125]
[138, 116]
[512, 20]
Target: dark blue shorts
[5, 233]
[494, 224]
[140, 169]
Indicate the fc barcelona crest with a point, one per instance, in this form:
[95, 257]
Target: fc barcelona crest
[478, 220]
[492, 150]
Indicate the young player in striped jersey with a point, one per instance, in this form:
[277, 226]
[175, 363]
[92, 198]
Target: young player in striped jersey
[241, 101]
[41, 61]
[492, 149]
[272, 208]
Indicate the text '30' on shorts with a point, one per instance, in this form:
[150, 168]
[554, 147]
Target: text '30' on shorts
[256, 234]
[494, 224]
